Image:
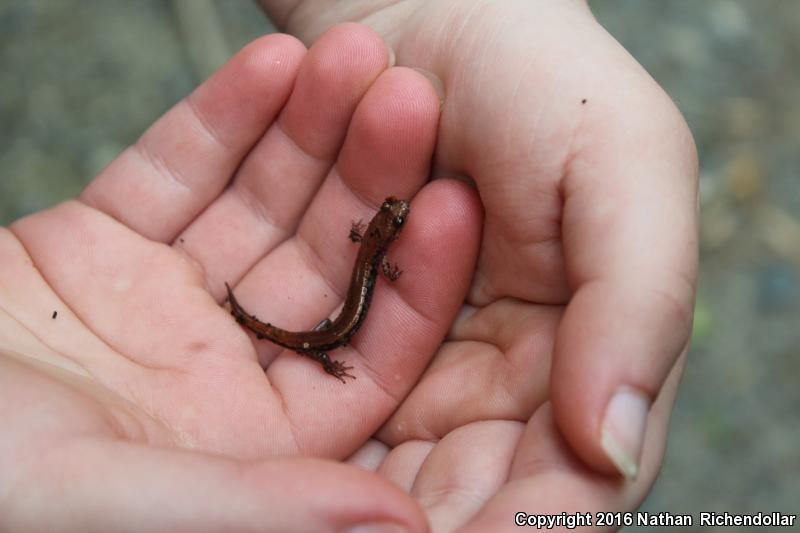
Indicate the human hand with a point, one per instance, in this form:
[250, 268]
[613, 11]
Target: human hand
[585, 283]
[141, 404]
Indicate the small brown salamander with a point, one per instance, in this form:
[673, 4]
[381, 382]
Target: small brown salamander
[328, 335]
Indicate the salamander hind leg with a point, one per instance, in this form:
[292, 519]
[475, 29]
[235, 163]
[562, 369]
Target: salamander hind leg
[336, 369]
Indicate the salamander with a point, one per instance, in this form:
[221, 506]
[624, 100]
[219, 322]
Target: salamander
[382, 230]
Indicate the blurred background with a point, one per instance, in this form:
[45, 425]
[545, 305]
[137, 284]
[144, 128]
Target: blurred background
[82, 79]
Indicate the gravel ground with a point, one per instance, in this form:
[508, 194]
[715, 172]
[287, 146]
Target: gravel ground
[733, 68]
[82, 79]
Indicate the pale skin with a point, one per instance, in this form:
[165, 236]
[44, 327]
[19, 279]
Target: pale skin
[144, 405]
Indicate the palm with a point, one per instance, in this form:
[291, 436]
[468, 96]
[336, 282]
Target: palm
[145, 358]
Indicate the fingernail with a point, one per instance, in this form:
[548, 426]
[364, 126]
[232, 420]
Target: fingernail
[378, 527]
[392, 55]
[435, 81]
[623, 429]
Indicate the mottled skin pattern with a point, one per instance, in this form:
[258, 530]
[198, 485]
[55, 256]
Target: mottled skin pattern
[383, 229]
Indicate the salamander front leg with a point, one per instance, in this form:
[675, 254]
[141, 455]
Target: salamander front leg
[392, 272]
[357, 231]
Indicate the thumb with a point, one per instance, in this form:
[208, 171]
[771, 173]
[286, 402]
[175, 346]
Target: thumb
[630, 236]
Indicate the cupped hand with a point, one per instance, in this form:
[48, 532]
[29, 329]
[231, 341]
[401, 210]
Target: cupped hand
[131, 400]
[554, 388]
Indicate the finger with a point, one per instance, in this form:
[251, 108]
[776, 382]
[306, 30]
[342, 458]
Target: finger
[407, 321]
[464, 470]
[546, 479]
[396, 120]
[630, 244]
[282, 173]
[182, 162]
[126, 487]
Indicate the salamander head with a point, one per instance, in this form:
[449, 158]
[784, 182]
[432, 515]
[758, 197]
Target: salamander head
[396, 212]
